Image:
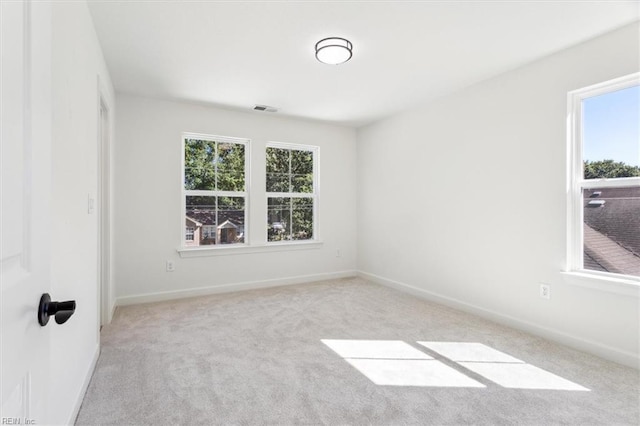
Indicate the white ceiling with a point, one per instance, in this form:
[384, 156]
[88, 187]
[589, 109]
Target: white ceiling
[237, 54]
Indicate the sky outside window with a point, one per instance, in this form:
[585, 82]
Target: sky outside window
[611, 127]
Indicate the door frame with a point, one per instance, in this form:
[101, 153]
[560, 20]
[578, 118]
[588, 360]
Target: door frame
[104, 143]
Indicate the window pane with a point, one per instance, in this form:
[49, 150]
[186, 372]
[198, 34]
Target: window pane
[611, 134]
[199, 168]
[278, 173]
[230, 167]
[302, 219]
[214, 220]
[302, 171]
[612, 230]
[230, 228]
[201, 214]
[278, 219]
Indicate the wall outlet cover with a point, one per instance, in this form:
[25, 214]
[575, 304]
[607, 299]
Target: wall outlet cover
[545, 291]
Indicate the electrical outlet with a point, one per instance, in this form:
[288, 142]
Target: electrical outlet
[170, 266]
[338, 254]
[545, 291]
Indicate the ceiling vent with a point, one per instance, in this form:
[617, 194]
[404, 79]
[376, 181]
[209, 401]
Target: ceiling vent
[265, 108]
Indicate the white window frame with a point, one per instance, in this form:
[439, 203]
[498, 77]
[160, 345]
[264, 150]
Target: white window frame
[315, 195]
[215, 193]
[575, 272]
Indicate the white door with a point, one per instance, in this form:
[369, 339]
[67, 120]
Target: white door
[26, 179]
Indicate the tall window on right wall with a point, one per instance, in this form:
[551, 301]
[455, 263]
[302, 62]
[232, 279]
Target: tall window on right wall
[292, 192]
[604, 179]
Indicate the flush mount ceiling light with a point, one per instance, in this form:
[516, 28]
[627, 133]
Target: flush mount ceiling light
[333, 50]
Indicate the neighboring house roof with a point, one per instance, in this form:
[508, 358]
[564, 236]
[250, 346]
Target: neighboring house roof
[227, 224]
[608, 254]
[207, 216]
[611, 232]
[591, 264]
[194, 222]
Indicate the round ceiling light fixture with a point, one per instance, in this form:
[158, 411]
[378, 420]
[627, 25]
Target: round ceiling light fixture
[334, 50]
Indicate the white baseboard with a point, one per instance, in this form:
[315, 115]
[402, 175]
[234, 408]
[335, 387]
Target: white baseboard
[85, 386]
[227, 288]
[604, 351]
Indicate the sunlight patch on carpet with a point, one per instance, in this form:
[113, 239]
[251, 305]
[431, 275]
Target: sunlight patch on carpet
[501, 368]
[375, 349]
[469, 351]
[409, 372]
[396, 363]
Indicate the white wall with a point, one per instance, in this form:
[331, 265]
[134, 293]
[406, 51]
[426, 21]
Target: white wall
[464, 200]
[148, 221]
[78, 67]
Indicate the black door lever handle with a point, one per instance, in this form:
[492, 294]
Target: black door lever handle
[61, 310]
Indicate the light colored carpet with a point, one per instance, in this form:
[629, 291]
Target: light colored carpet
[257, 357]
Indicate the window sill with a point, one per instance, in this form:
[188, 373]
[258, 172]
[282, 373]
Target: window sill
[248, 249]
[623, 286]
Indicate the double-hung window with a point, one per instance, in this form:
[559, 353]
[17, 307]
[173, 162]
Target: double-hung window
[214, 195]
[604, 179]
[292, 192]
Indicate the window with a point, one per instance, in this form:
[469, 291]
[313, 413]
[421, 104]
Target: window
[292, 192]
[209, 231]
[216, 198]
[214, 190]
[604, 192]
